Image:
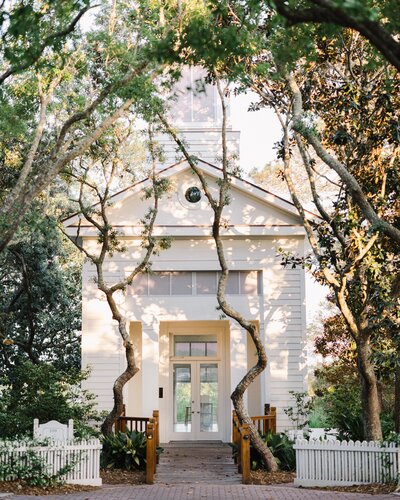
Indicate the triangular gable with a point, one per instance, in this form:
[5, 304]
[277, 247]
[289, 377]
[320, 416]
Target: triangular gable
[253, 210]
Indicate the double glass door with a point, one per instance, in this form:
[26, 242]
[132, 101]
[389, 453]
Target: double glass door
[196, 400]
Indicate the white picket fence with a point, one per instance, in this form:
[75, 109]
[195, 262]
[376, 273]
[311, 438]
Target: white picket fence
[85, 455]
[341, 463]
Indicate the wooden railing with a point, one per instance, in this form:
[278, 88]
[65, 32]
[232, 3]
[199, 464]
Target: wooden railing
[266, 423]
[151, 426]
[124, 423]
[241, 438]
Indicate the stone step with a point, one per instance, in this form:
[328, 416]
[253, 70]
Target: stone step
[201, 462]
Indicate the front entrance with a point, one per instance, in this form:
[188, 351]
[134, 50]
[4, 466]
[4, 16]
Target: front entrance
[196, 400]
[197, 392]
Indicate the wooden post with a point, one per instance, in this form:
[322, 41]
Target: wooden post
[273, 423]
[150, 453]
[235, 436]
[156, 416]
[154, 423]
[245, 453]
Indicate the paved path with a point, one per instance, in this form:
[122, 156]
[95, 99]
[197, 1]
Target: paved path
[210, 492]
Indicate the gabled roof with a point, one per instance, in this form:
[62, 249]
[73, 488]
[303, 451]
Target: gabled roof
[248, 187]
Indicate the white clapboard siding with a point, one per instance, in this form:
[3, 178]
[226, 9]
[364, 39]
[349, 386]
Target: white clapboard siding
[84, 454]
[343, 463]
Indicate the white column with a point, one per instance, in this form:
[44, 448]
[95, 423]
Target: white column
[238, 350]
[150, 362]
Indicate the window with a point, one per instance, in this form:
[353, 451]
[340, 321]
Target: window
[195, 283]
[181, 283]
[195, 345]
[159, 284]
[206, 283]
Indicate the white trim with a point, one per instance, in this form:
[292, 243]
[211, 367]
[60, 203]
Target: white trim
[195, 231]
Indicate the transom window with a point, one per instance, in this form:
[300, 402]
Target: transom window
[195, 345]
[195, 283]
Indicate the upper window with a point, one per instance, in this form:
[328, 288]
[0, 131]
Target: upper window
[196, 100]
[196, 283]
[195, 345]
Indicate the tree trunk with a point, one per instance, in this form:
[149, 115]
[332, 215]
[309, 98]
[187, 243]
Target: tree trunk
[397, 399]
[237, 397]
[371, 407]
[119, 384]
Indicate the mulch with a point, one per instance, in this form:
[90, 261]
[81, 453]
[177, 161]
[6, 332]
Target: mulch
[264, 477]
[109, 476]
[280, 477]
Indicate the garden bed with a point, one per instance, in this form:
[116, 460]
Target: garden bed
[263, 477]
[109, 476]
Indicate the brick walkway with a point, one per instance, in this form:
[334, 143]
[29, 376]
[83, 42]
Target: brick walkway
[214, 492]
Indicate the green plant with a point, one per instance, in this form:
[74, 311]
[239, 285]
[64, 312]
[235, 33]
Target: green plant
[318, 417]
[282, 449]
[43, 392]
[388, 458]
[124, 450]
[300, 412]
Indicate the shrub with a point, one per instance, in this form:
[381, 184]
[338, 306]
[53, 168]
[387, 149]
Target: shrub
[337, 389]
[43, 392]
[299, 413]
[124, 450]
[282, 449]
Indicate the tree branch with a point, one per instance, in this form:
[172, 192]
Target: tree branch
[46, 43]
[354, 188]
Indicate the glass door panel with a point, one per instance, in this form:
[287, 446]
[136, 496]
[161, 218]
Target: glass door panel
[196, 400]
[208, 397]
[182, 398]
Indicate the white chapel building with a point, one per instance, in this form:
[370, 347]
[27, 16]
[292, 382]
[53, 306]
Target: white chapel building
[190, 357]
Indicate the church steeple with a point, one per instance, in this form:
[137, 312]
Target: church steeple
[196, 113]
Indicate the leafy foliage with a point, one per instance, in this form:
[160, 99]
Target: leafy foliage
[40, 304]
[282, 449]
[43, 392]
[124, 450]
[299, 413]
[337, 398]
